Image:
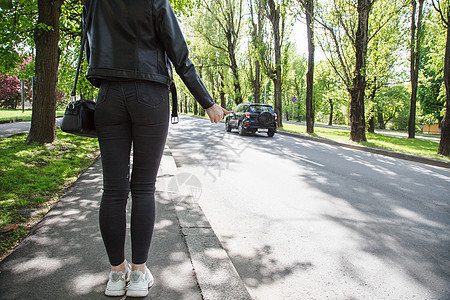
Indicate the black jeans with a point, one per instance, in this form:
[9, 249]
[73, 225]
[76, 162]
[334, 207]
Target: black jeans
[130, 113]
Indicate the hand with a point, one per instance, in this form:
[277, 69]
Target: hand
[216, 112]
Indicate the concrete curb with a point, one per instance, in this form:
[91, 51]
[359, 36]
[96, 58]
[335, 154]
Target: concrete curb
[216, 275]
[409, 157]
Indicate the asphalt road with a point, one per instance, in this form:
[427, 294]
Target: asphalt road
[306, 220]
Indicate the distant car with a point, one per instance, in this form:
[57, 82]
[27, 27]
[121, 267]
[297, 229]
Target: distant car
[252, 118]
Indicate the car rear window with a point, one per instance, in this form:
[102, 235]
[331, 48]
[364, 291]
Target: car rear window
[260, 109]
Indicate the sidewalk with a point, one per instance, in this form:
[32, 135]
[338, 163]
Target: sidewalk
[9, 129]
[64, 256]
[396, 133]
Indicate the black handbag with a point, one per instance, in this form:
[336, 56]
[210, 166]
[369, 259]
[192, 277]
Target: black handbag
[78, 118]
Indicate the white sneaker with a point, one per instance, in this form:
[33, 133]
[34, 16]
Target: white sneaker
[117, 282]
[140, 283]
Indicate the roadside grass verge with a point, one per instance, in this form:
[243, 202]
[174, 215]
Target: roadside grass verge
[17, 114]
[416, 146]
[193, 115]
[33, 177]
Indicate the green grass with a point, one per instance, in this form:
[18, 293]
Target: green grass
[33, 176]
[416, 146]
[17, 114]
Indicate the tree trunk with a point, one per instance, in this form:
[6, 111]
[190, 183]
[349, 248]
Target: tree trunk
[257, 82]
[299, 88]
[380, 120]
[195, 108]
[277, 96]
[256, 41]
[330, 120]
[276, 74]
[185, 104]
[371, 128]
[213, 83]
[414, 69]
[444, 144]
[234, 69]
[310, 73]
[357, 91]
[200, 73]
[43, 129]
[223, 102]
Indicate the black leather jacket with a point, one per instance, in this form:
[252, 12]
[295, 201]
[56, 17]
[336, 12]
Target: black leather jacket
[138, 39]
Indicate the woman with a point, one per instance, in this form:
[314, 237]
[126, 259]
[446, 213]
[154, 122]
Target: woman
[129, 49]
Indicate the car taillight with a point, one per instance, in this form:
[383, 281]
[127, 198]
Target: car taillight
[275, 114]
[247, 115]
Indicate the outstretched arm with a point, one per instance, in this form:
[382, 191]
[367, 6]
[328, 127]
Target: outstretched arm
[216, 112]
[169, 32]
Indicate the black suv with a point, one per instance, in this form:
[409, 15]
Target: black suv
[252, 117]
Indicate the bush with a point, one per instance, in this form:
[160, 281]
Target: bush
[9, 91]
[12, 101]
[398, 123]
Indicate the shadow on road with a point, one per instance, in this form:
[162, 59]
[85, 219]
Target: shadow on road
[395, 222]
[401, 227]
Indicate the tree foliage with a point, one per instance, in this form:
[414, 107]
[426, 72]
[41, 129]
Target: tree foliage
[431, 90]
[17, 22]
[243, 51]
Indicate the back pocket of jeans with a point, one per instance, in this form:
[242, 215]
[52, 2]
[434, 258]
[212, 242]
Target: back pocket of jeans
[151, 94]
[101, 95]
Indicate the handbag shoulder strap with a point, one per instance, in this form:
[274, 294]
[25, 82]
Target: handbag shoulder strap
[174, 119]
[83, 42]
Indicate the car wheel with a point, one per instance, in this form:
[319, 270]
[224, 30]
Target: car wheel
[241, 128]
[227, 126]
[270, 133]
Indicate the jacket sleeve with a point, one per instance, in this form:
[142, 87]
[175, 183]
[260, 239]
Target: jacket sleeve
[170, 35]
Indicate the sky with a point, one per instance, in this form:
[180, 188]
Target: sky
[299, 36]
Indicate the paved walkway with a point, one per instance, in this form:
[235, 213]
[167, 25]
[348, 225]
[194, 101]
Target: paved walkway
[8, 129]
[64, 256]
